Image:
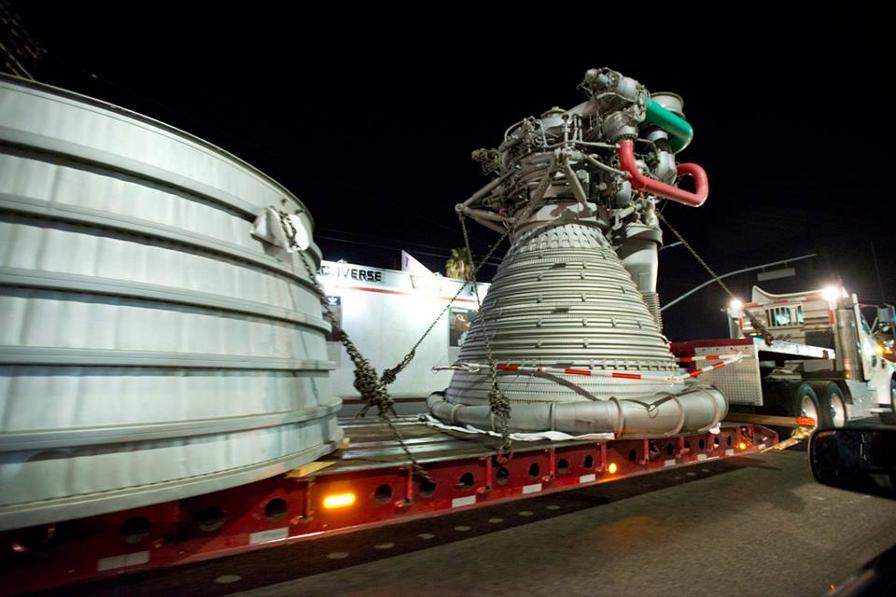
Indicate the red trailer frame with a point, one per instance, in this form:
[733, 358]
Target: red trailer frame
[364, 485]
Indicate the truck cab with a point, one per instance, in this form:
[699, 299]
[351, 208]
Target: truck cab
[817, 355]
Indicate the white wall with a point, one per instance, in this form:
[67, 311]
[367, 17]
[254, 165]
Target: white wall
[385, 312]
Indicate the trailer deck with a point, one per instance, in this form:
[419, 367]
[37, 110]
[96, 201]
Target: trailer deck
[366, 484]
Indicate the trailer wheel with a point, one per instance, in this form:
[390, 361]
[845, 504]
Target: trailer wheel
[806, 404]
[833, 406]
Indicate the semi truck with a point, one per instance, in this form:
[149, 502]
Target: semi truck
[823, 363]
[810, 354]
[166, 383]
[369, 482]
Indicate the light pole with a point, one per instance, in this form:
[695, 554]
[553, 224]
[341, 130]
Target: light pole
[735, 272]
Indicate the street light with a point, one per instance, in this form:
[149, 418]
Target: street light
[729, 274]
[735, 305]
[830, 294]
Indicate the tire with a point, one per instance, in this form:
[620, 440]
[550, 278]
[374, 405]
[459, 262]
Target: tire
[805, 403]
[833, 406]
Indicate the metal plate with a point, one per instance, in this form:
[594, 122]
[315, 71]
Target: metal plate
[740, 382]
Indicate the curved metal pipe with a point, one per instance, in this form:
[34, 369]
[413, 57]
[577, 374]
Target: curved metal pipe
[681, 130]
[660, 189]
[662, 415]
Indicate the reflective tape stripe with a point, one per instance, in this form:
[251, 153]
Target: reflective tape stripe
[268, 536]
[463, 501]
[626, 375]
[122, 561]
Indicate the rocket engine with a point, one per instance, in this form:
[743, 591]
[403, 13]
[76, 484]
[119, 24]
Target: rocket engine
[571, 325]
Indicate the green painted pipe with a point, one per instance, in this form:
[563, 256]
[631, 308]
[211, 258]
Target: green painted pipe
[682, 132]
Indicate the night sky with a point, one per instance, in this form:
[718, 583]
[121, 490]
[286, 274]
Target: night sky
[369, 117]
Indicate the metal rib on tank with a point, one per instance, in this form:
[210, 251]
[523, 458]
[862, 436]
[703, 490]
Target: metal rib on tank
[150, 347]
[562, 298]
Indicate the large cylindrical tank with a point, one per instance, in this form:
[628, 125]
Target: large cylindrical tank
[150, 347]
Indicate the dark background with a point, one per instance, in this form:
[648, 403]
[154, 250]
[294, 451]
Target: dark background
[369, 116]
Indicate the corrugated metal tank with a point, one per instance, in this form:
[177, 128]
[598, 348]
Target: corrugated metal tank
[150, 347]
[561, 298]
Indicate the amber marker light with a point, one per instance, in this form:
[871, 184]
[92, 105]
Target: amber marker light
[339, 500]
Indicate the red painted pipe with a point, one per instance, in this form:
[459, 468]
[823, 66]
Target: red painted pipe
[661, 189]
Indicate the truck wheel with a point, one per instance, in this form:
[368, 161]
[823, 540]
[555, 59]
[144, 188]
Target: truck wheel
[833, 405]
[805, 404]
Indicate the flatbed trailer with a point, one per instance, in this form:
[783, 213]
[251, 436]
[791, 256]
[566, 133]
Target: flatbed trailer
[368, 483]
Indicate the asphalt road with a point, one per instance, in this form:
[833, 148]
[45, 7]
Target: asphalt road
[746, 526]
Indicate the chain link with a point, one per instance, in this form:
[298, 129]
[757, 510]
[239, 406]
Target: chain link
[391, 373]
[497, 400]
[371, 387]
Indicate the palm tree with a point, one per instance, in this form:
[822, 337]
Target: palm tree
[459, 265]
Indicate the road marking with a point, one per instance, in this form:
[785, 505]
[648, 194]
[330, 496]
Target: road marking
[226, 579]
[386, 545]
[426, 536]
[269, 535]
[462, 528]
[468, 500]
[495, 520]
[525, 513]
[337, 555]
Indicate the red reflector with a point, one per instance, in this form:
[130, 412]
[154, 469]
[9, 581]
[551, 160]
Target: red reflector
[577, 371]
[626, 375]
[805, 421]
